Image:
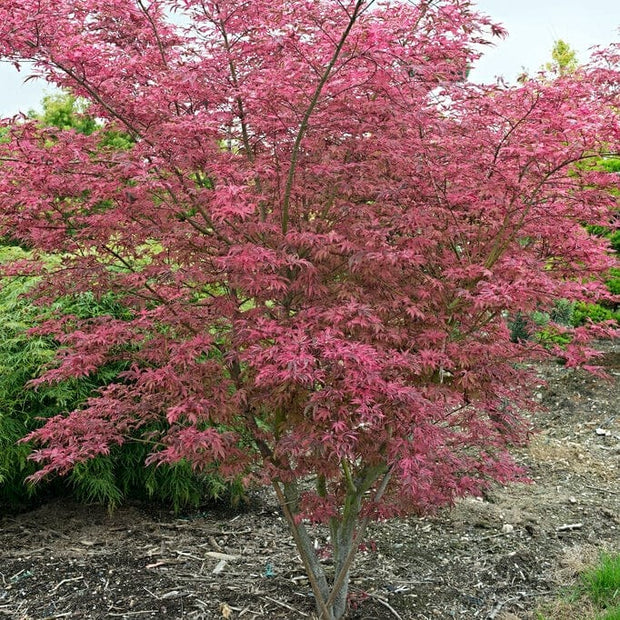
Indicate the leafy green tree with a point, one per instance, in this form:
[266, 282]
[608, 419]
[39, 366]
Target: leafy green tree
[563, 59]
[65, 111]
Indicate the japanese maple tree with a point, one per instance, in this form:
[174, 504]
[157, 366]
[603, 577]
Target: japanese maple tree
[319, 230]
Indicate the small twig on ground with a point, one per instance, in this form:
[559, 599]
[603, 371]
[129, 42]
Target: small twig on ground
[220, 556]
[247, 530]
[15, 577]
[187, 555]
[174, 594]
[151, 593]
[569, 527]
[66, 581]
[589, 486]
[164, 562]
[385, 604]
[133, 613]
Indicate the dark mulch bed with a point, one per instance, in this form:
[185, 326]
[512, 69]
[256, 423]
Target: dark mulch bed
[492, 557]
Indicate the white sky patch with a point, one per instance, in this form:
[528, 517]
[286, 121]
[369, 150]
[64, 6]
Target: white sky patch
[533, 27]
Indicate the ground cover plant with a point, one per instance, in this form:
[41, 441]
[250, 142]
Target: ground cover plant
[595, 595]
[602, 583]
[318, 233]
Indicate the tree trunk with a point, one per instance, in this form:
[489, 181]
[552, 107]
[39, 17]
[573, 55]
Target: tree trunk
[343, 538]
[346, 533]
[288, 496]
[330, 604]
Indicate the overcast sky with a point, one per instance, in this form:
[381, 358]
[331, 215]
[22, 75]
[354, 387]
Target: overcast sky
[533, 27]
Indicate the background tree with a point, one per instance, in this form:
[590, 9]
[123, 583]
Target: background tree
[563, 59]
[64, 111]
[318, 233]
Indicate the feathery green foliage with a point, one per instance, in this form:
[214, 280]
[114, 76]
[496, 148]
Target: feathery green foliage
[107, 479]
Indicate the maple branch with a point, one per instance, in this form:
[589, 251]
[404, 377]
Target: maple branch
[210, 232]
[157, 296]
[155, 32]
[235, 81]
[501, 242]
[303, 128]
[513, 128]
[83, 82]
[245, 134]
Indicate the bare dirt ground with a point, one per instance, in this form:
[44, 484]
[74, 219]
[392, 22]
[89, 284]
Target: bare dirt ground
[498, 557]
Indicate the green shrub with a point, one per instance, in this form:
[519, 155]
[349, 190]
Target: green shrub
[21, 359]
[106, 479]
[551, 336]
[519, 327]
[593, 312]
[540, 325]
[123, 475]
[562, 312]
[613, 282]
[611, 164]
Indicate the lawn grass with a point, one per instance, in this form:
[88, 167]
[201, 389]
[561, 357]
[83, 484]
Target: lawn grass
[602, 584]
[595, 597]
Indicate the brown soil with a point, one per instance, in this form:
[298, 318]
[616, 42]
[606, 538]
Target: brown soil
[500, 556]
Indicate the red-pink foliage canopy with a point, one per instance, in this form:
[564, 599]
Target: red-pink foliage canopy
[318, 231]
